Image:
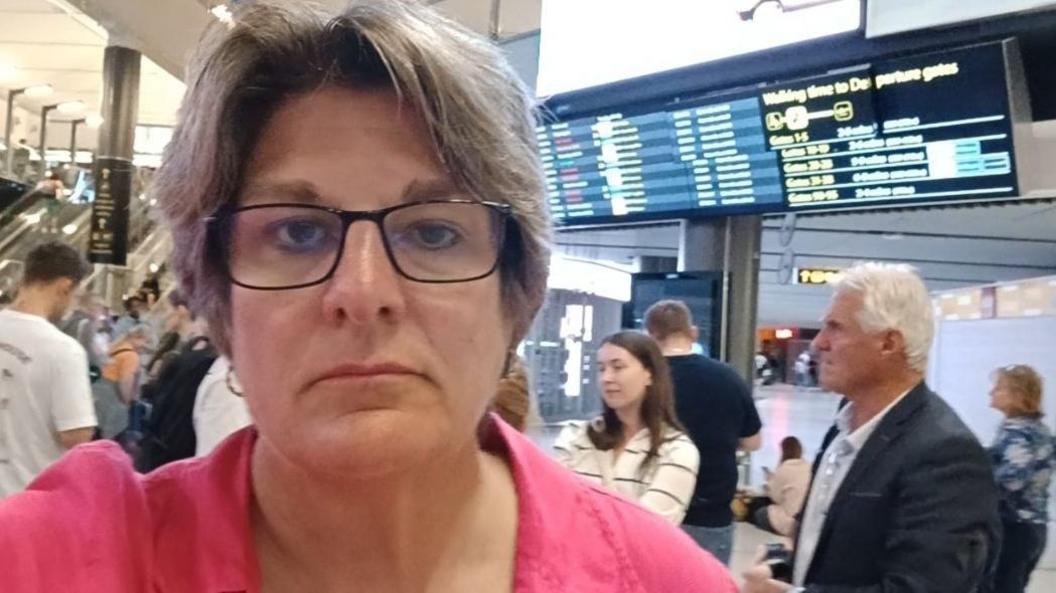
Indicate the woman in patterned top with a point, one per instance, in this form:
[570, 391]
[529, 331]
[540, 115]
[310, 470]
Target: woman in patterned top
[1023, 459]
[636, 447]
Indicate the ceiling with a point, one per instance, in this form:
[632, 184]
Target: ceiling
[61, 42]
[952, 247]
[49, 41]
[516, 17]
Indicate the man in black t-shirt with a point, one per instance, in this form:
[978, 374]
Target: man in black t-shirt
[715, 406]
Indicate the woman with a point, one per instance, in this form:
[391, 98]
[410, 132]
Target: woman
[366, 237]
[637, 446]
[786, 489]
[118, 385]
[1023, 458]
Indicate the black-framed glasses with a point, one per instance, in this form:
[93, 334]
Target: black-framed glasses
[284, 246]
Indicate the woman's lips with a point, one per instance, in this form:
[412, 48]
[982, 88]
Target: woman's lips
[365, 372]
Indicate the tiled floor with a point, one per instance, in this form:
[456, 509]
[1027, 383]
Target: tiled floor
[807, 414]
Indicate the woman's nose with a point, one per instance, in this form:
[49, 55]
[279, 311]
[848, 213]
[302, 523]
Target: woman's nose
[365, 286]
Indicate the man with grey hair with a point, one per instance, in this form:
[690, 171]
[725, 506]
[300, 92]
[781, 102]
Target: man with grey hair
[902, 498]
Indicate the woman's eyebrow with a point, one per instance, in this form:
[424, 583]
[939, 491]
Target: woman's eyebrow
[429, 189]
[298, 191]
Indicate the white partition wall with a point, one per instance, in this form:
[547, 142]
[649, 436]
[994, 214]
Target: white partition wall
[966, 352]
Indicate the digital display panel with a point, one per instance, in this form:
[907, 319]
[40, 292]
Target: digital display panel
[616, 165]
[700, 291]
[921, 129]
[929, 128]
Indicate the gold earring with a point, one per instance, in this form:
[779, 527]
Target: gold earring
[232, 382]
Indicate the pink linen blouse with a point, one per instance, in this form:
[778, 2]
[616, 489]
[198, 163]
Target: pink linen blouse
[90, 523]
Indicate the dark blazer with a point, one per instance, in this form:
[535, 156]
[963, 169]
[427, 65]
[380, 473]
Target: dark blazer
[917, 511]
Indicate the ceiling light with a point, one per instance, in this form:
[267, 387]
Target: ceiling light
[69, 229]
[39, 90]
[94, 120]
[223, 14]
[69, 107]
[153, 267]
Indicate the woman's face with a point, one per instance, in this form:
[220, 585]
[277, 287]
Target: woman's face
[623, 378]
[367, 373]
[1001, 398]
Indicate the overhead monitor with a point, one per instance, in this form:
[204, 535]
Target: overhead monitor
[588, 43]
[925, 129]
[930, 128]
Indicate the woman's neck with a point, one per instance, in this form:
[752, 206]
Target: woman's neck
[631, 419]
[428, 529]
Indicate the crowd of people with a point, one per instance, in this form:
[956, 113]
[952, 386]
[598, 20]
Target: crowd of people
[364, 319]
[98, 375]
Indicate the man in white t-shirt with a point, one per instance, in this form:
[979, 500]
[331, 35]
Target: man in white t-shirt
[45, 396]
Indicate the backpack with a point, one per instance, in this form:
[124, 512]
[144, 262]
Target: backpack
[169, 433]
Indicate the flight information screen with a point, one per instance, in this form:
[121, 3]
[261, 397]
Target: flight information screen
[922, 129]
[693, 158]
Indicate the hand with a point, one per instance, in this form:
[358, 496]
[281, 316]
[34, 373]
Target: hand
[757, 580]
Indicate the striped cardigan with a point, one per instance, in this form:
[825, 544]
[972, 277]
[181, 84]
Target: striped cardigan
[664, 486]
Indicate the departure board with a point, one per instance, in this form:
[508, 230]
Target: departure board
[707, 156]
[928, 129]
[924, 129]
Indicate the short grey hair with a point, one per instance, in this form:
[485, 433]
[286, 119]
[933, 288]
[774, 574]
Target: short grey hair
[479, 114]
[894, 298]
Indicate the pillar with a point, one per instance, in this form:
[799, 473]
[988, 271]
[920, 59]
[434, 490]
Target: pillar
[108, 242]
[729, 245]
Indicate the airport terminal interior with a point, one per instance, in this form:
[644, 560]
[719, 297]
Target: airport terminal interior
[735, 155]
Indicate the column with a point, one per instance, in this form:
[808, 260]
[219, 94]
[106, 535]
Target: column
[744, 236]
[729, 245]
[108, 242]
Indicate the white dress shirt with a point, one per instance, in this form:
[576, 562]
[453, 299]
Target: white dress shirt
[835, 463]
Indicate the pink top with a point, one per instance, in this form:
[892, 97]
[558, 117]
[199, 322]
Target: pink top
[90, 523]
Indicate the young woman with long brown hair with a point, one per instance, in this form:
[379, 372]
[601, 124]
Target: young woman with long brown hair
[636, 447]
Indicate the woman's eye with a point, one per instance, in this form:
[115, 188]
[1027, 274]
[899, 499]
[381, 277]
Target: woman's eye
[299, 235]
[434, 235]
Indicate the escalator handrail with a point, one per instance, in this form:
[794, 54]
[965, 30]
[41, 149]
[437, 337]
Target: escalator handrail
[22, 204]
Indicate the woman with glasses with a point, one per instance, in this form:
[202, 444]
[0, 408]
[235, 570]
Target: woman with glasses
[636, 447]
[1024, 460]
[359, 212]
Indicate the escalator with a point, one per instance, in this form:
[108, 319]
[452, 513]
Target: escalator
[10, 192]
[28, 221]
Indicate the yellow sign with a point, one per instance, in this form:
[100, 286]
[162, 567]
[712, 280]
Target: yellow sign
[817, 276]
[843, 111]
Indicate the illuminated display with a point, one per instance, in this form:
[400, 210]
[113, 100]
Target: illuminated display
[945, 133]
[817, 276]
[708, 156]
[924, 129]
